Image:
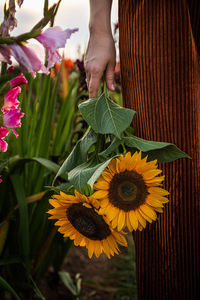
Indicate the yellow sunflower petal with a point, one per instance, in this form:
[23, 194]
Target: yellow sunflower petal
[158, 191]
[140, 228]
[141, 219]
[101, 185]
[148, 211]
[128, 223]
[153, 202]
[100, 194]
[111, 212]
[158, 209]
[107, 176]
[121, 220]
[148, 175]
[133, 219]
[112, 166]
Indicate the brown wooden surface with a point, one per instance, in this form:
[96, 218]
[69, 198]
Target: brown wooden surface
[159, 53]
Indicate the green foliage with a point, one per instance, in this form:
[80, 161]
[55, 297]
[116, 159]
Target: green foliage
[106, 116]
[29, 242]
[108, 136]
[6, 286]
[163, 152]
[74, 288]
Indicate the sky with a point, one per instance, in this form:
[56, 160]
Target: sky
[71, 14]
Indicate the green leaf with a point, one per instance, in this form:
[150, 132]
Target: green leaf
[50, 165]
[24, 218]
[87, 173]
[68, 282]
[114, 145]
[78, 154]
[98, 171]
[80, 175]
[6, 286]
[17, 162]
[105, 116]
[163, 152]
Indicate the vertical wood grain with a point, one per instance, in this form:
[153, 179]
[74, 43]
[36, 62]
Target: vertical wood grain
[160, 65]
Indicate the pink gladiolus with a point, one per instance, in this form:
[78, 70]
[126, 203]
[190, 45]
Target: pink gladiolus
[10, 69]
[11, 118]
[27, 59]
[0, 179]
[52, 39]
[15, 132]
[19, 80]
[10, 99]
[3, 133]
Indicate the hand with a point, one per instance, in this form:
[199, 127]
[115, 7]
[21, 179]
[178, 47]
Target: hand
[100, 58]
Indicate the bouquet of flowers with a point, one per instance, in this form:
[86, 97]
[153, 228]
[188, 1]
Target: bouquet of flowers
[114, 182]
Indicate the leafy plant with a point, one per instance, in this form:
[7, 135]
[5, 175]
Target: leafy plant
[28, 241]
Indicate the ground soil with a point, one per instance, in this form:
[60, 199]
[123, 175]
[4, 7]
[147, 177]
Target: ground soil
[99, 278]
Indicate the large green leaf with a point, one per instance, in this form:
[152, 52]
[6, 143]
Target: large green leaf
[163, 152]
[98, 172]
[78, 154]
[80, 175]
[88, 172]
[105, 116]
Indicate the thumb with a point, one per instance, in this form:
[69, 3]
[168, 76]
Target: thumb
[110, 76]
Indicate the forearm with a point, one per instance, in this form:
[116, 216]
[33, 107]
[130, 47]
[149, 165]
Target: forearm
[100, 12]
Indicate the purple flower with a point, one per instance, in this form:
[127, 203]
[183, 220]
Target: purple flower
[11, 118]
[52, 39]
[5, 54]
[10, 99]
[3, 133]
[19, 80]
[27, 59]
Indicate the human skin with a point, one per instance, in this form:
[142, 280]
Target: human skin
[100, 58]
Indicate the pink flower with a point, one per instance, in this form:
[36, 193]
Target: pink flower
[27, 59]
[0, 179]
[3, 133]
[10, 69]
[11, 118]
[19, 80]
[10, 99]
[15, 132]
[52, 39]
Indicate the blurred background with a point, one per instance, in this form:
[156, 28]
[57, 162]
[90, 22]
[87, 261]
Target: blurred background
[70, 14]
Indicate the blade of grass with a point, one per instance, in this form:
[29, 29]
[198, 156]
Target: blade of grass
[5, 285]
[24, 219]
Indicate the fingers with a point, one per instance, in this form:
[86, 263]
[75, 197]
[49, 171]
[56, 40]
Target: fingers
[94, 77]
[93, 82]
[110, 70]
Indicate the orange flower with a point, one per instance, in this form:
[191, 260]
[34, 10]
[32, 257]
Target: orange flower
[68, 63]
[57, 67]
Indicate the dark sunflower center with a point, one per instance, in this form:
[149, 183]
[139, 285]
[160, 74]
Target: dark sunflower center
[127, 190]
[88, 222]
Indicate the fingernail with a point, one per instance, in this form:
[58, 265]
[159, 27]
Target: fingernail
[113, 87]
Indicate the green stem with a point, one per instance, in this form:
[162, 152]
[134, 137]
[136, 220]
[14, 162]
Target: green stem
[105, 89]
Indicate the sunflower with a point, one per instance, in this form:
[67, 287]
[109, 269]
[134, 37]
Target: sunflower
[78, 219]
[130, 192]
